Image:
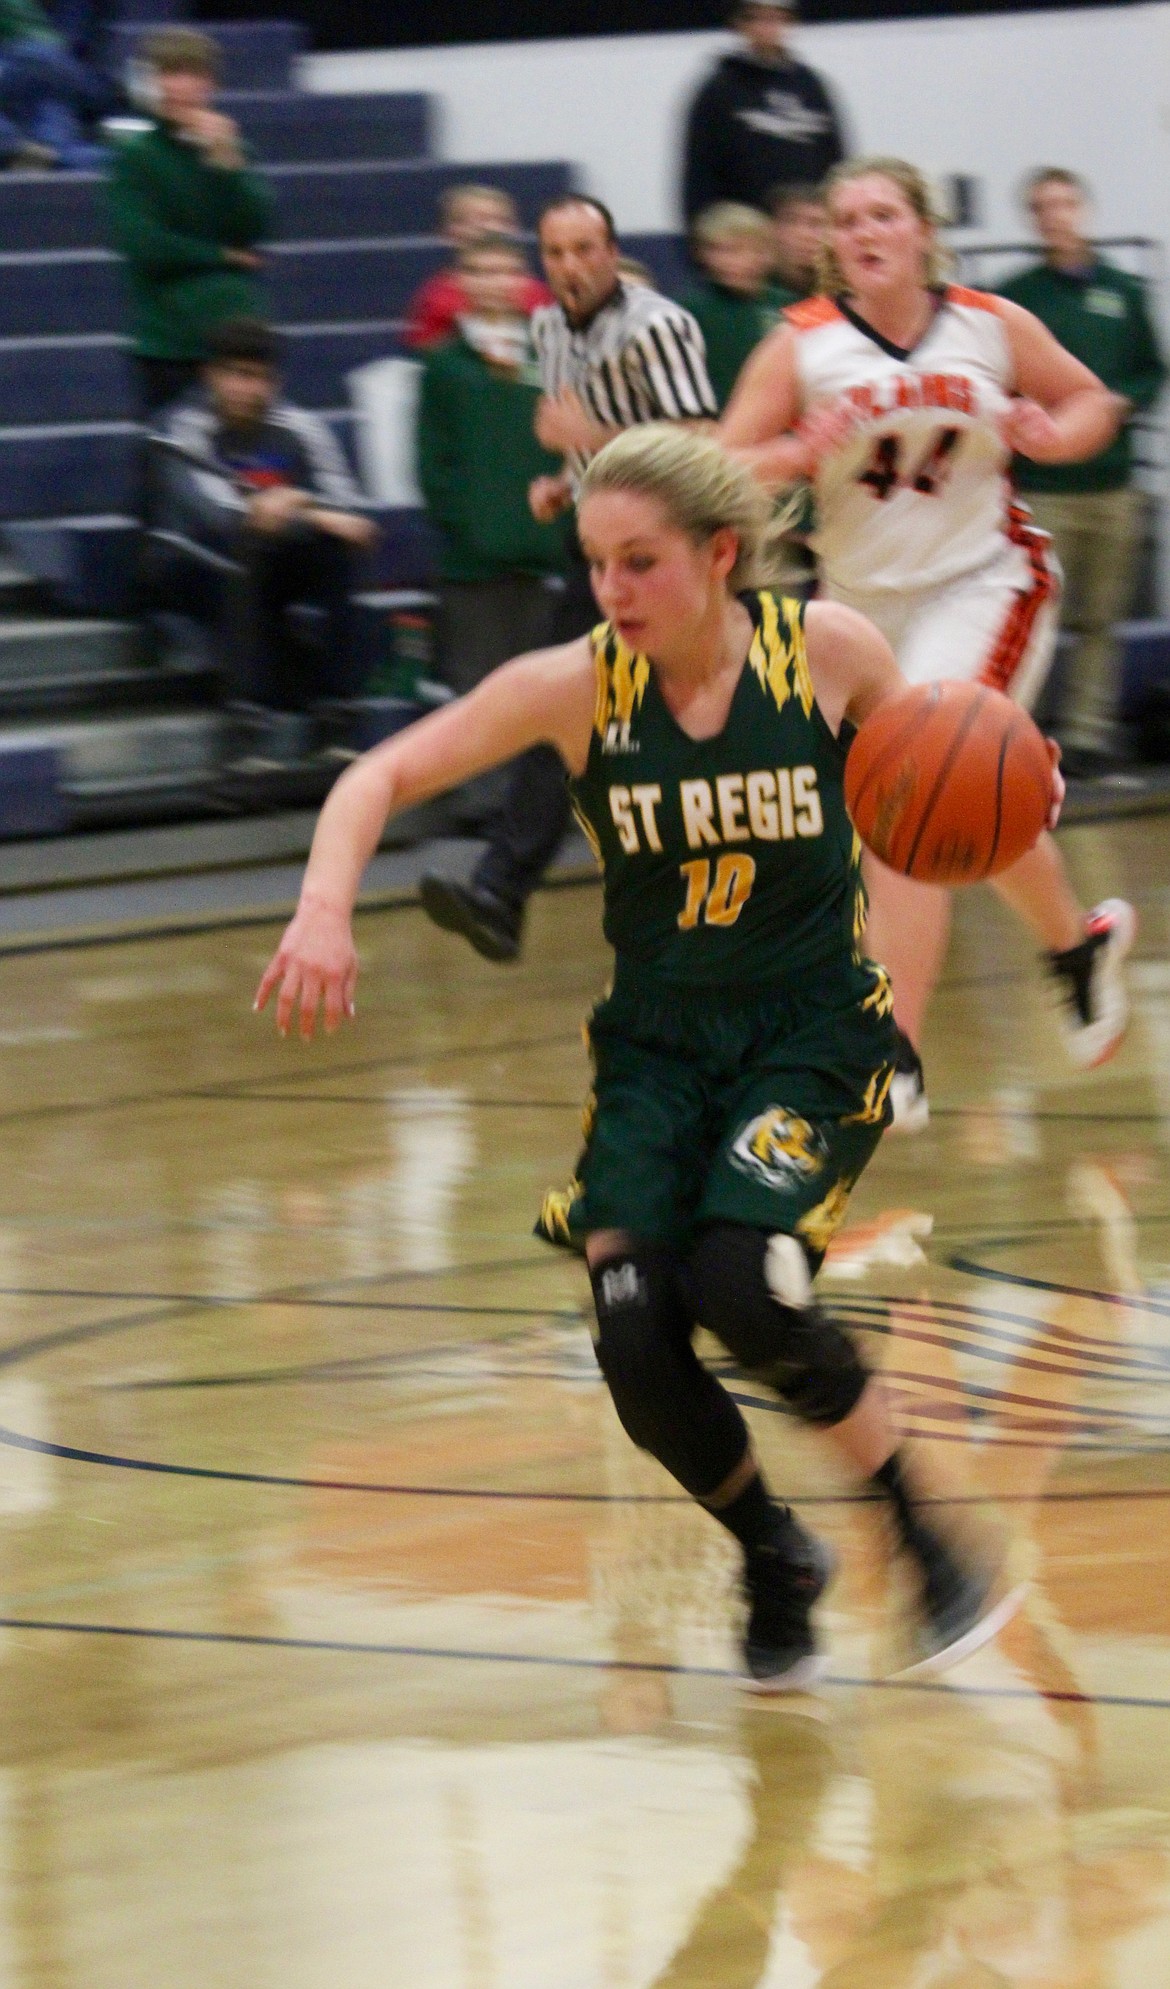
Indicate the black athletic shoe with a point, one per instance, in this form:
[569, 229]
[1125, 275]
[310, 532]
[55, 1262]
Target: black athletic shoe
[782, 1581]
[908, 1099]
[960, 1608]
[1091, 979]
[492, 926]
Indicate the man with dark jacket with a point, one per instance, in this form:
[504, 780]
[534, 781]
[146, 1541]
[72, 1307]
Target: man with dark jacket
[761, 120]
[253, 512]
[187, 213]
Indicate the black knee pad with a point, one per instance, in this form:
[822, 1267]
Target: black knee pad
[666, 1400]
[753, 1291]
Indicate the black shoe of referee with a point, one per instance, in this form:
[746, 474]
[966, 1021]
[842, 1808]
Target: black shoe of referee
[489, 923]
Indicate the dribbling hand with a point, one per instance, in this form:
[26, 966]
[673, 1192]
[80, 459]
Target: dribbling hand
[1058, 787]
[316, 963]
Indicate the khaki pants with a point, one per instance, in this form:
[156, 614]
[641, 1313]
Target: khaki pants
[1095, 534]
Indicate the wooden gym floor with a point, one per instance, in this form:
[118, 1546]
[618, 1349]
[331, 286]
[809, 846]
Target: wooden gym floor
[345, 1639]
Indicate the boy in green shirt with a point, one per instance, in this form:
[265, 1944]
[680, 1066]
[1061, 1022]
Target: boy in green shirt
[477, 456]
[187, 212]
[736, 304]
[1092, 509]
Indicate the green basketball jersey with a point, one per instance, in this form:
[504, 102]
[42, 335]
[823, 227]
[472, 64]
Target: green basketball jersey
[728, 861]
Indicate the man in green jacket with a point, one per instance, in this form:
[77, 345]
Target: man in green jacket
[187, 213]
[44, 93]
[477, 456]
[1092, 509]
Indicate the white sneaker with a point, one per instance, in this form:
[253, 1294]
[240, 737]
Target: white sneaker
[908, 1100]
[1092, 983]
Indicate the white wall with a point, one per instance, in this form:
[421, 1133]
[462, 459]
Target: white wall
[986, 95]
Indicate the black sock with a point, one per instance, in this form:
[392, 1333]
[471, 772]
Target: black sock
[910, 1527]
[753, 1516]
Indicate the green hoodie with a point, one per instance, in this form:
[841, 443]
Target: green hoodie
[477, 455]
[1099, 314]
[173, 215]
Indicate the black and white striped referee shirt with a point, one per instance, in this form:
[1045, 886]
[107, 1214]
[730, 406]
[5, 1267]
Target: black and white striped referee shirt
[641, 357]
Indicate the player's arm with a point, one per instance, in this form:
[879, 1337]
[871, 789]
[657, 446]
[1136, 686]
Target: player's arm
[763, 423]
[543, 698]
[1065, 412]
[851, 663]
[759, 420]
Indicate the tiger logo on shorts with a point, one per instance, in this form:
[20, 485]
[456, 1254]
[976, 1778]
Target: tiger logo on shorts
[779, 1148]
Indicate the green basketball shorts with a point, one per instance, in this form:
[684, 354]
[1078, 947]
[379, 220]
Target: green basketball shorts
[709, 1107]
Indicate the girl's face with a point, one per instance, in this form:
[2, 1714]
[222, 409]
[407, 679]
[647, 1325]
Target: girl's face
[657, 585]
[879, 241]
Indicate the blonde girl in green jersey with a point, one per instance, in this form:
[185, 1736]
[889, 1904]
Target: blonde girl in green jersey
[744, 1056]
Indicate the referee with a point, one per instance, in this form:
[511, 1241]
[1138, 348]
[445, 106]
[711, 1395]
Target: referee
[610, 354]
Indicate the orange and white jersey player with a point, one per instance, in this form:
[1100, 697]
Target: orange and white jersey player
[902, 398]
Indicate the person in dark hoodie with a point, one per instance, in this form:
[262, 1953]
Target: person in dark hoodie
[761, 120]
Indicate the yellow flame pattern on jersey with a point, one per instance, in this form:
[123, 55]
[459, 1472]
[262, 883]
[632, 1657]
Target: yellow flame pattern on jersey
[873, 1103]
[622, 678]
[554, 1223]
[821, 1224]
[778, 654]
[880, 998]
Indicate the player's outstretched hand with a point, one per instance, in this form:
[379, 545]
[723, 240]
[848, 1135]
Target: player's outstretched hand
[1058, 787]
[316, 963]
[1030, 430]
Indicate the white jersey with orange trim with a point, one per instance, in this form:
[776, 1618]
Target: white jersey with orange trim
[919, 494]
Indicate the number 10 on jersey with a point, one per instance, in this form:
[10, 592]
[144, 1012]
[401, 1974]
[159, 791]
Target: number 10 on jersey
[717, 902]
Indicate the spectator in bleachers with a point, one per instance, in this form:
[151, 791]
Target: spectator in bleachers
[45, 93]
[254, 512]
[465, 213]
[799, 218]
[761, 120]
[735, 305]
[477, 455]
[1093, 511]
[188, 212]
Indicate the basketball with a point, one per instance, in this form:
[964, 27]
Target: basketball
[949, 783]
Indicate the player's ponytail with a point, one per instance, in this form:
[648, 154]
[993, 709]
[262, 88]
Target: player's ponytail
[700, 487]
[915, 190]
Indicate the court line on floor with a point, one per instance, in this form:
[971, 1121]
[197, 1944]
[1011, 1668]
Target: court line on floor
[1133, 1302]
[245, 1640]
[287, 1481]
[236, 1091]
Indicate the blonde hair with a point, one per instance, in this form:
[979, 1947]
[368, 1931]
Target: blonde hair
[453, 198]
[915, 190]
[701, 488]
[731, 221]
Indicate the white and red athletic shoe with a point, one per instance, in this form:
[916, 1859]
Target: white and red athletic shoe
[1091, 980]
